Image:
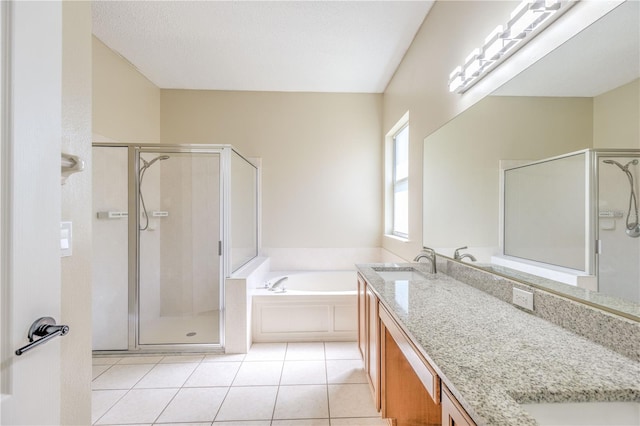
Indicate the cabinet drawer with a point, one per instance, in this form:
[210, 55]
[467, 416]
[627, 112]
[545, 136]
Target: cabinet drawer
[421, 367]
[452, 412]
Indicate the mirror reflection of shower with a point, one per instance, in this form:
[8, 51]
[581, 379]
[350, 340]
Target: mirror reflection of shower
[632, 227]
[145, 166]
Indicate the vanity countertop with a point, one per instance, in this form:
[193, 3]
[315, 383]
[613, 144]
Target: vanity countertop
[494, 356]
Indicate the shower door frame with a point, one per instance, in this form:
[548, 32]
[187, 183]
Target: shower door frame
[133, 240]
[590, 236]
[224, 152]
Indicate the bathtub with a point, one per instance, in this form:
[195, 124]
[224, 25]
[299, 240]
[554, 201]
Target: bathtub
[316, 306]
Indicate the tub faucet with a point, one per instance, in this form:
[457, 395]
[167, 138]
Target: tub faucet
[278, 285]
[427, 253]
[460, 257]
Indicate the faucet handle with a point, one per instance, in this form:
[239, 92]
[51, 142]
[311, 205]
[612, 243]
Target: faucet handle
[428, 249]
[456, 254]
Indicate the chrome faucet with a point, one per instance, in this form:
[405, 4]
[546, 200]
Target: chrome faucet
[278, 285]
[458, 256]
[427, 253]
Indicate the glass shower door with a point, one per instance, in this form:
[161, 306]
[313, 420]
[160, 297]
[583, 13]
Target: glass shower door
[618, 227]
[179, 292]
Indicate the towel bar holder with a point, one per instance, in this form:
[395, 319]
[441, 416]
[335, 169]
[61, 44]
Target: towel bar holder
[69, 165]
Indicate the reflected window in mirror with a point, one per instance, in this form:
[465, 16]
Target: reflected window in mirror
[401, 182]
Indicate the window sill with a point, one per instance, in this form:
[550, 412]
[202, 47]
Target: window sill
[397, 238]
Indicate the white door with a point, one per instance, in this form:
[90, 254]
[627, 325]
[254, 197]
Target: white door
[30, 216]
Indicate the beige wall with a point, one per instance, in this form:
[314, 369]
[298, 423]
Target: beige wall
[76, 207]
[461, 163]
[126, 106]
[616, 117]
[321, 158]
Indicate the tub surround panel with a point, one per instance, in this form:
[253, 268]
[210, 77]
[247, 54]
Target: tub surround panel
[493, 356]
[325, 259]
[237, 314]
[612, 331]
[316, 306]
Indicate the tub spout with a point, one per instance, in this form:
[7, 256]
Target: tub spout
[278, 285]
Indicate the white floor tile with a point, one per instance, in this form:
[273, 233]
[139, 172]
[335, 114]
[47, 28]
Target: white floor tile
[302, 402]
[121, 376]
[305, 351]
[342, 350]
[105, 360]
[351, 400]
[304, 373]
[102, 401]
[369, 421]
[166, 376]
[140, 360]
[175, 359]
[213, 374]
[183, 424]
[138, 406]
[244, 423]
[259, 373]
[97, 370]
[304, 422]
[345, 371]
[248, 403]
[224, 358]
[266, 352]
[134, 424]
[194, 405]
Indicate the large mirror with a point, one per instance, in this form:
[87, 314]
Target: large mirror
[584, 95]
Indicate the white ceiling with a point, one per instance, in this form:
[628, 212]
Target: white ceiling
[604, 56]
[301, 46]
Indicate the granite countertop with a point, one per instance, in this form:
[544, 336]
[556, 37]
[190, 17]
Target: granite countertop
[494, 356]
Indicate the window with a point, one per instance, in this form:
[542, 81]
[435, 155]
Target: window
[400, 183]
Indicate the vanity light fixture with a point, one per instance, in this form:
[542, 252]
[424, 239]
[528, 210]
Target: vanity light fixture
[526, 19]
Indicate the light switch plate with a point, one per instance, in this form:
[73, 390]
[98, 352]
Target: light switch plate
[66, 240]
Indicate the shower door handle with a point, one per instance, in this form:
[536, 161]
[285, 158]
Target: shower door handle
[47, 329]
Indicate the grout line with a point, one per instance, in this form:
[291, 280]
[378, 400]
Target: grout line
[326, 378]
[177, 389]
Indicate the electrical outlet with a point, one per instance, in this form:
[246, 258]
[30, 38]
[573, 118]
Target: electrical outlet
[523, 298]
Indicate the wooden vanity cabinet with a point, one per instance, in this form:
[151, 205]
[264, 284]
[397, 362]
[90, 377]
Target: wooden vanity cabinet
[362, 318]
[369, 336]
[410, 388]
[452, 412]
[404, 385]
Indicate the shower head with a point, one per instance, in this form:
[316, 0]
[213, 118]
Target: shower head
[624, 168]
[147, 164]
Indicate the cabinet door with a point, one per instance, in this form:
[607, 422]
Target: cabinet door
[373, 345]
[452, 412]
[362, 319]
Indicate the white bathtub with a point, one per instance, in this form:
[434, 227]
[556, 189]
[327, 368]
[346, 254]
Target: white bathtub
[316, 306]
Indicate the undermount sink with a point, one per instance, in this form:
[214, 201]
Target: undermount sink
[398, 274]
[585, 413]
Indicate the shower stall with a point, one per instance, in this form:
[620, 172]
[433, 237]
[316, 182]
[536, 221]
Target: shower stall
[578, 212]
[170, 223]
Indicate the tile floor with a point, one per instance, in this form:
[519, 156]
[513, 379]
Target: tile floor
[275, 384]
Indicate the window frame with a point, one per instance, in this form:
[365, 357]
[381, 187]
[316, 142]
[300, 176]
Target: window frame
[398, 185]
